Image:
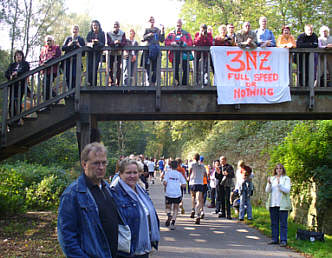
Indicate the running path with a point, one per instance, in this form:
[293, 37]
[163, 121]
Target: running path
[213, 238]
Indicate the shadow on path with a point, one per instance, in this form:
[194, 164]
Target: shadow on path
[214, 237]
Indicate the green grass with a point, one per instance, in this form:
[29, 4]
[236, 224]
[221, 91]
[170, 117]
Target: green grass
[316, 249]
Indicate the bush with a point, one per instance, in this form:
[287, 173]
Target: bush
[30, 186]
[45, 195]
[11, 192]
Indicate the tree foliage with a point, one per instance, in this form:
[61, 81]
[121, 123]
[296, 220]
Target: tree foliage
[278, 12]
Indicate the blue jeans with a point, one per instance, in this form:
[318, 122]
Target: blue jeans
[278, 217]
[245, 205]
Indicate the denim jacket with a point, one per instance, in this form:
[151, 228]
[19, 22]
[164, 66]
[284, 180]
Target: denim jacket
[129, 209]
[80, 232]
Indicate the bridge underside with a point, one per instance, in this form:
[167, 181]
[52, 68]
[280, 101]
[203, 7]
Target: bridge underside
[174, 103]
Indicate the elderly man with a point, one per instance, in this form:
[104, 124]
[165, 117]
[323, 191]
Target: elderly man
[88, 217]
[116, 38]
[246, 38]
[225, 175]
[179, 38]
[265, 37]
[308, 39]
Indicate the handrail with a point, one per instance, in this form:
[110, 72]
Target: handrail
[67, 82]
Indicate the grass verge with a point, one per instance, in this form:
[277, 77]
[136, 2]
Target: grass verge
[316, 249]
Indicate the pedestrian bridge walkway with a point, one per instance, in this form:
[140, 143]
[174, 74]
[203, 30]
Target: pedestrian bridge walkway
[68, 97]
[213, 238]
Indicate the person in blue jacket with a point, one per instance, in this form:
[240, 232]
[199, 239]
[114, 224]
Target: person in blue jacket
[88, 218]
[137, 210]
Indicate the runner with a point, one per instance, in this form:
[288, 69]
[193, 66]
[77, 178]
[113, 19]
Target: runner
[183, 189]
[173, 182]
[150, 165]
[196, 175]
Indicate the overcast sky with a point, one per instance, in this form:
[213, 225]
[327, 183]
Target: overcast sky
[166, 12]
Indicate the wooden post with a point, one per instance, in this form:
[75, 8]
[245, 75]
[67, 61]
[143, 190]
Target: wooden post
[311, 80]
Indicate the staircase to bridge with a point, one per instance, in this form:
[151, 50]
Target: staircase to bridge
[84, 101]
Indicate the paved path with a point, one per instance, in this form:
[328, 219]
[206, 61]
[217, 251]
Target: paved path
[214, 237]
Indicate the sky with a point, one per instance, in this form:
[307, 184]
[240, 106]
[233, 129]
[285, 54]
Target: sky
[166, 12]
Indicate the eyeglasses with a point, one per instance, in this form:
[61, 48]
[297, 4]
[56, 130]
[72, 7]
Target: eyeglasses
[99, 163]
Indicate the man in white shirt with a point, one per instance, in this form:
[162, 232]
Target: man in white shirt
[151, 167]
[173, 181]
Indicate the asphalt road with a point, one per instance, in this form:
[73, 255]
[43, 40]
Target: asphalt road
[214, 237]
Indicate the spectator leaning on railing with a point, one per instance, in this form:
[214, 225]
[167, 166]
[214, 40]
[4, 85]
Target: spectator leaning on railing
[325, 41]
[246, 38]
[308, 39]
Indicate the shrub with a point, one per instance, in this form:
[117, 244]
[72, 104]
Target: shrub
[11, 192]
[30, 186]
[45, 195]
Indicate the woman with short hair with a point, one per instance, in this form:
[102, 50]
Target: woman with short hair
[137, 210]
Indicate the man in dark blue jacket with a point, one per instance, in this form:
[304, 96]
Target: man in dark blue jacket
[88, 217]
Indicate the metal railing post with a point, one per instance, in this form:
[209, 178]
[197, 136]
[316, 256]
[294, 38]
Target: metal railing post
[311, 80]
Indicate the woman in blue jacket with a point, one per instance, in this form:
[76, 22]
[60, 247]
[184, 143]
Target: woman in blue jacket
[137, 210]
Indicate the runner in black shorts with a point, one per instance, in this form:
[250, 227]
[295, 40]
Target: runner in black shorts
[173, 181]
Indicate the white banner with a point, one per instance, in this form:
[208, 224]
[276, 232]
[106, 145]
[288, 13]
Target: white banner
[251, 76]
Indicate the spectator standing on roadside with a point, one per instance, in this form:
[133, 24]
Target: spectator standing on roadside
[225, 175]
[213, 183]
[88, 217]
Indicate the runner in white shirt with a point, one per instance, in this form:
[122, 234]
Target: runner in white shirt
[151, 166]
[173, 181]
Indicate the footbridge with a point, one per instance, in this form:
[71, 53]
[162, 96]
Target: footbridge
[57, 96]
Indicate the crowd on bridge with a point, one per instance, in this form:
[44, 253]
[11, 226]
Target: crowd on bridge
[125, 62]
[116, 217]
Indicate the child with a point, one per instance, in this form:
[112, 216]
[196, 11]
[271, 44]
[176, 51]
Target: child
[173, 181]
[245, 188]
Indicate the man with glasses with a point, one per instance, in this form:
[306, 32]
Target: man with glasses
[88, 218]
